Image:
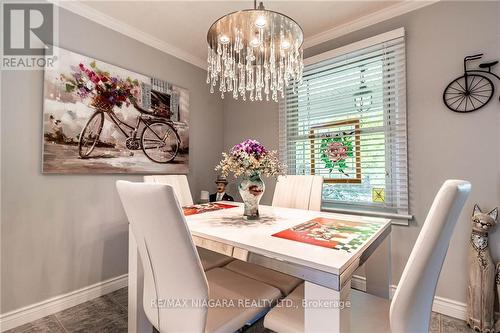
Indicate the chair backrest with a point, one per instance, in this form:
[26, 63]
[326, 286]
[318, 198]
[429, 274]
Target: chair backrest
[298, 191]
[172, 268]
[178, 182]
[412, 303]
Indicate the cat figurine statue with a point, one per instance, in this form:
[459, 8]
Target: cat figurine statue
[498, 292]
[482, 271]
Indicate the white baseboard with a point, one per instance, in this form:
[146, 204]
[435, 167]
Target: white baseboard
[50, 306]
[441, 305]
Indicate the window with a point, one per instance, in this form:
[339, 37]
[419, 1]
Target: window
[347, 123]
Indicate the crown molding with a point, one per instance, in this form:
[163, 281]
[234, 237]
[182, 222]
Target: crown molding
[128, 30]
[365, 21]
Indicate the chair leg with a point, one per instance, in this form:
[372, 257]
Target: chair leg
[137, 320]
[327, 310]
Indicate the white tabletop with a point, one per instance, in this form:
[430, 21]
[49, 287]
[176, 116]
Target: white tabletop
[229, 227]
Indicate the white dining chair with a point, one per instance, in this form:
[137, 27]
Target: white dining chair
[292, 191]
[411, 306]
[173, 272]
[298, 191]
[180, 184]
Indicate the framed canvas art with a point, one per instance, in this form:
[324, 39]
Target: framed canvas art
[100, 118]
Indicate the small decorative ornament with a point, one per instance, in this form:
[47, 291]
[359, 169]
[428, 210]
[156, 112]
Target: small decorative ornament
[378, 195]
[204, 197]
[221, 194]
[250, 160]
[482, 273]
[473, 90]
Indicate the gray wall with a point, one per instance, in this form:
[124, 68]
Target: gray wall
[64, 232]
[251, 120]
[442, 144]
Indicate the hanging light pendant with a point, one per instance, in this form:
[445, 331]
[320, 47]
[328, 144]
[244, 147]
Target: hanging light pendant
[254, 51]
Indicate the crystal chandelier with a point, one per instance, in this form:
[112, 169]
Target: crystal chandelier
[254, 51]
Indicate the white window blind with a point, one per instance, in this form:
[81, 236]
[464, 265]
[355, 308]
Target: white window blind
[347, 123]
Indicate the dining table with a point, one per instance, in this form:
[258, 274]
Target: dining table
[322, 248]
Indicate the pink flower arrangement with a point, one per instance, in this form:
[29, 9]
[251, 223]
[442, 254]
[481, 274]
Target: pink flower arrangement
[93, 82]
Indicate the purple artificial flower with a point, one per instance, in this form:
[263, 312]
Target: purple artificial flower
[251, 147]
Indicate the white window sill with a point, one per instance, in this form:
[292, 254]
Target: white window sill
[398, 219]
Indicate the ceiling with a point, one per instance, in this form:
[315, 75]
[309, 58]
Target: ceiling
[181, 26]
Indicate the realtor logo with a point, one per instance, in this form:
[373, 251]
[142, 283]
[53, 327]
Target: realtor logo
[29, 31]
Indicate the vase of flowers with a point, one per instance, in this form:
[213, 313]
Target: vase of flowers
[250, 160]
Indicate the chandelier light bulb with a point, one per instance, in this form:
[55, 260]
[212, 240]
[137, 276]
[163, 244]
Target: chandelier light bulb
[285, 44]
[223, 39]
[260, 22]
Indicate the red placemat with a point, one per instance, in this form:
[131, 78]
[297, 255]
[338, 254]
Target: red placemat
[203, 208]
[331, 233]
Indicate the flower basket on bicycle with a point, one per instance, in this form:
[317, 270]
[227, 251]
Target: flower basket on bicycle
[99, 102]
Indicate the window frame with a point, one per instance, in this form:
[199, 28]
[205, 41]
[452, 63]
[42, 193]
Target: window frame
[370, 209]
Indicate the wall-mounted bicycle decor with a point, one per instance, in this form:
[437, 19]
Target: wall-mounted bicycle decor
[473, 90]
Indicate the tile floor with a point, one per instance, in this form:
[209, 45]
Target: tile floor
[108, 314]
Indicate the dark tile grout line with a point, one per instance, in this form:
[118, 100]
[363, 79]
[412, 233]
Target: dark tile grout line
[116, 302]
[113, 300]
[125, 316]
[59, 322]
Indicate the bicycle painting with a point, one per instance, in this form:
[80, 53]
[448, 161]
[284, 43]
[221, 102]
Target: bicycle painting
[99, 118]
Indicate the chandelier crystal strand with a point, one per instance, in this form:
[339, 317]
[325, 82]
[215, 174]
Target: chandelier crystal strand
[254, 53]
